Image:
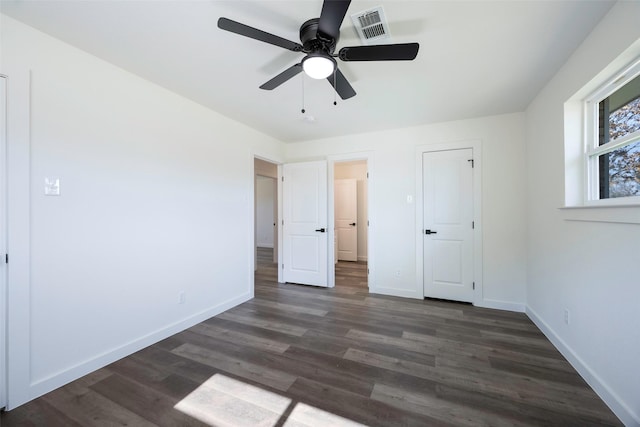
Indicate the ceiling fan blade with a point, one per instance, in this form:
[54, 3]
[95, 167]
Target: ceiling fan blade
[282, 77]
[254, 33]
[341, 85]
[333, 12]
[383, 52]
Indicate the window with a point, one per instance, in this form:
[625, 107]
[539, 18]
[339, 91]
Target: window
[613, 139]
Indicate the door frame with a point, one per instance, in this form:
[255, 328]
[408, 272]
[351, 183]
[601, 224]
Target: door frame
[252, 213]
[3, 242]
[476, 146]
[20, 388]
[331, 161]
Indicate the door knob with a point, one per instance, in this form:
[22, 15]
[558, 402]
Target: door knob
[320, 230]
[430, 232]
[353, 223]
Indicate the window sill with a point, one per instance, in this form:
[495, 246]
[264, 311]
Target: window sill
[621, 214]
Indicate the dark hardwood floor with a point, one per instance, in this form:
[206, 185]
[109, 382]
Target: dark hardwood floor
[298, 355]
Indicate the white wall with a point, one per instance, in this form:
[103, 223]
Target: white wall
[588, 267]
[157, 192]
[265, 205]
[357, 170]
[395, 219]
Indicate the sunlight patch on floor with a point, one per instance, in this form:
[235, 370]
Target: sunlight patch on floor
[305, 415]
[223, 401]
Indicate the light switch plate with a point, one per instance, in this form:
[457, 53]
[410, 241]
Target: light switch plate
[52, 186]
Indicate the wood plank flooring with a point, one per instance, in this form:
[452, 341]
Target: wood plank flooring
[305, 356]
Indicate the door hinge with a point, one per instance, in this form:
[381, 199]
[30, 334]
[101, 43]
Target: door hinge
[474, 286]
[367, 223]
[6, 258]
[471, 160]
[283, 179]
[367, 271]
[367, 174]
[283, 222]
[283, 266]
[473, 225]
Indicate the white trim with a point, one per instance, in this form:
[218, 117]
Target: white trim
[61, 378]
[280, 227]
[628, 139]
[619, 408]
[331, 160]
[476, 146]
[620, 78]
[404, 293]
[3, 241]
[502, 305]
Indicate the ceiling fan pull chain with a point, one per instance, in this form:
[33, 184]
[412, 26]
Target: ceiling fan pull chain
[303, 111]
[334, 85]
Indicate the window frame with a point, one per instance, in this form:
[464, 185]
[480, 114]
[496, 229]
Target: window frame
[592, 149]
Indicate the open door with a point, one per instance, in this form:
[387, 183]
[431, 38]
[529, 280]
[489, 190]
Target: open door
[305, 228]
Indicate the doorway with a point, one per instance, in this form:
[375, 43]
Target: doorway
[265, 212]
[350, 209]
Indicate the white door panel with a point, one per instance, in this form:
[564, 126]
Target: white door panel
[448, 219]
[346, 216]
[3, 246]
[305, 223]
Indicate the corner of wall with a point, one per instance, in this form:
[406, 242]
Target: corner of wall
[619, 408]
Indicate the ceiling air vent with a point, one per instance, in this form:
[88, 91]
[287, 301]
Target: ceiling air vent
[371, 25]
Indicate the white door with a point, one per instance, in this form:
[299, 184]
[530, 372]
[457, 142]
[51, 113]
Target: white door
[3, 245]
[346, 214]
[304, 230]
[275, 220]
[448, 224]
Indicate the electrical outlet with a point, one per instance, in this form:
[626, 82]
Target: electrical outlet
[52, 186]
[566, 316]
[182, 298]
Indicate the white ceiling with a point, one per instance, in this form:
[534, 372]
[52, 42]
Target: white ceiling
[476, 58]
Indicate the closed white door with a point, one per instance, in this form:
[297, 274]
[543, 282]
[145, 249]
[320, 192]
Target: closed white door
[304, 230]
[448, 224]
[346, 214]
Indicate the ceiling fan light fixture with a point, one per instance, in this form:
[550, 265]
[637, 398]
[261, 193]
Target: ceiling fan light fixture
[318, 65]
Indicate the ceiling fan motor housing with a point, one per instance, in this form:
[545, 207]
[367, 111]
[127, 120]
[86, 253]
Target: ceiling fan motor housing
[312, 41]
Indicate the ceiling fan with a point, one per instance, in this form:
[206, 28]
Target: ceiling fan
[319, 37]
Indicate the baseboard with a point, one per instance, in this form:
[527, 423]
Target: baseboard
[501, 305]
[404, 293]
[362, 258]
[610, 398]
[64, 377]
